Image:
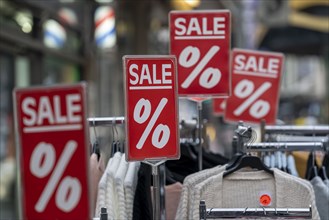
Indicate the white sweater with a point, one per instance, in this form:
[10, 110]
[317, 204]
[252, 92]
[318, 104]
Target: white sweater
[243, 189]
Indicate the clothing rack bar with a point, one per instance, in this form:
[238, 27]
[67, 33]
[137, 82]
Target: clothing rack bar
[293, 138]
[103, 121]
[289, 146]
[295, 129]
[189, 124]
[300, 213]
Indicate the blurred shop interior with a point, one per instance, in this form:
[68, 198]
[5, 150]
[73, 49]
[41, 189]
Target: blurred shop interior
[44, 42]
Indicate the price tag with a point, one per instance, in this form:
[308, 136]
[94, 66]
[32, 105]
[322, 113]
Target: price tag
[151, 108]
[51, 125]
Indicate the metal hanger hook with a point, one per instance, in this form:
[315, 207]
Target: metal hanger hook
[94, 128]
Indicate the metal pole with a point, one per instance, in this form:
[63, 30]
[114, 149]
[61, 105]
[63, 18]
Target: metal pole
[289, 146]
[156, 193]
[101, 121]
[200, 134]
[158, 205]
[294, 129]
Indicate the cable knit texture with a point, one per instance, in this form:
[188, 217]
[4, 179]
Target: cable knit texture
[96, 173]
[119, 178]
[130, 184]
[101, 194]
[110, 193]
[190, 181]
[243, 189]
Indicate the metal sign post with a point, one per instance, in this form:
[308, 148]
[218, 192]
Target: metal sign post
[200, 127]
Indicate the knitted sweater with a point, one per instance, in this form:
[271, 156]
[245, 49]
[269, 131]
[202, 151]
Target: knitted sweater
[130, 183]
[120, 204]
[243, 189]
[183, 210]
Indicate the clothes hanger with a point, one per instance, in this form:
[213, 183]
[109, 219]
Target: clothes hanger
[247, 160]
[115, 146]
[325, 163]
[187, 150]
[95, 145]
[323, 169]
[323, 173]
[312, 167]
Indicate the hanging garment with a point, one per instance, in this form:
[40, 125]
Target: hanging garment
[119, 201]
[173, 193]
[187, 195]
[130, 183]
[102, 190]
[321, 191]
[327, 183]
[273, 161]
[292, 165]
[267, 160]
[142, 202]
[110, 191]
[96, 172]
[245, 188]
[188, 162]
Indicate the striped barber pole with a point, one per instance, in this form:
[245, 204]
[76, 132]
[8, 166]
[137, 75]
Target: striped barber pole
[105, 34]
[54, 34]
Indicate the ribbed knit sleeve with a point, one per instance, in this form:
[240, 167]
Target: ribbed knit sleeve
[130, 187]
[243, 189]
[184, 210]
[110, 193]
[295, 192]
[119, 177]
[101, 194]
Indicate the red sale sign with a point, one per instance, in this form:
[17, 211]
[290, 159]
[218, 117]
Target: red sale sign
[201, 42]
[256, 85]
[151, 107]
[51, 126]
[219, 105]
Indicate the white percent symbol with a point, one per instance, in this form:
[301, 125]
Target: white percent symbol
[161, 133]
[210, 77]
[246, 88]
[69, 189]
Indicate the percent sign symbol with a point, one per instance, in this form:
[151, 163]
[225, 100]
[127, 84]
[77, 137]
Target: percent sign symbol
[259, 108]
[142, 112]
[69, 189]
[190, 56]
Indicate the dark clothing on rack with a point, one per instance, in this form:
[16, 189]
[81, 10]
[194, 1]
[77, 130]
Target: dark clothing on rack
[188, 162]
[311, 167]
[142, 201]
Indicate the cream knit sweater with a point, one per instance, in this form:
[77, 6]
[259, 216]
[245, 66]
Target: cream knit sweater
[243, 189]
[187, 195]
